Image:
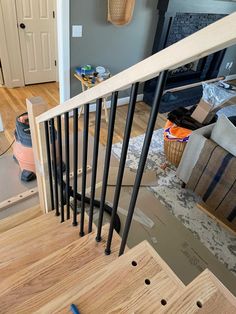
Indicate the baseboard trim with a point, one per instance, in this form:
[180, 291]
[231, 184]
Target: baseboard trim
[230, 77]
[121, 102]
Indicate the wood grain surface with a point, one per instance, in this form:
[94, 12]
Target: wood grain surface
[122, 287]
[33, 286]
[20, 218]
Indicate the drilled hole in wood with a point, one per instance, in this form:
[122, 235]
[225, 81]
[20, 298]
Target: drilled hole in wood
[20, 195]
[147, 282]
[134, 263]
[199, 304]
[32, 191]
[9, 201]
[163, 302]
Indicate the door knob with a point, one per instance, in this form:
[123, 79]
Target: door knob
[22, 25]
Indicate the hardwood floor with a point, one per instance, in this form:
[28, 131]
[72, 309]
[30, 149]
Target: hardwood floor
[12, 103]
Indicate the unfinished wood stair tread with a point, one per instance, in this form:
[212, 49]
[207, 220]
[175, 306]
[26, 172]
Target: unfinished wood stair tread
[205, 294]
[34, 240]
[32, 287]
[136, 281]
[20, 218]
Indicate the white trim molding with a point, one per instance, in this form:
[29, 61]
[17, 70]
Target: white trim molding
[120, 102]
[230, 77]
[63, 40]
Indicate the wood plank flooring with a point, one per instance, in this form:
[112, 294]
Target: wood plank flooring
[12, 103]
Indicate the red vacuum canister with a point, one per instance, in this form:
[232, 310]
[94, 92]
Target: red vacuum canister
[22, 148]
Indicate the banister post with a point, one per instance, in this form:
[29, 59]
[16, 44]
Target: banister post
[35, 107]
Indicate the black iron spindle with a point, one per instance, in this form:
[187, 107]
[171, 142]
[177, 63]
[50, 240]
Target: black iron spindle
[128, 126]
[60, 168]
[54, 163]
[49, 163]
[107, 162]
[84, 166]
[75, 164]
[95, 161]
[143, 157]
[67, 161]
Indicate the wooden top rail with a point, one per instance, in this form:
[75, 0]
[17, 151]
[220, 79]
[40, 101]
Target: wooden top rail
[210, 39]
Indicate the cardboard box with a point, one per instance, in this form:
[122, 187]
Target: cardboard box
[204, 111]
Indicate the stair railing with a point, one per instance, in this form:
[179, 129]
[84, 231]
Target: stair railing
[55, 192]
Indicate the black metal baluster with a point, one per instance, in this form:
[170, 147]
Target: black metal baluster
[95, 161]
[75, 162]
[54, 163]
[67, 160]
[128, 126]
[143, 157]
[84, 166]
[49, 162]
[60, 170]
[107, 162]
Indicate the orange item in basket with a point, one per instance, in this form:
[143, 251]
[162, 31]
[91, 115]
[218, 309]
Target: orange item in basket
[173, 132]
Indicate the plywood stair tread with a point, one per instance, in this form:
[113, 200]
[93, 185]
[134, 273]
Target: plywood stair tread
[205, 294]
[32, 241]
[35, 285]
[20, 218]
[121, 287]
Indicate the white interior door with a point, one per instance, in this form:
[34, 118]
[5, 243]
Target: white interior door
[36, 22]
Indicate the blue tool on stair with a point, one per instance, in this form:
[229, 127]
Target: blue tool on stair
[74, 309]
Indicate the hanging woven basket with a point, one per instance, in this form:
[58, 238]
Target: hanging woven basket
[120, 12]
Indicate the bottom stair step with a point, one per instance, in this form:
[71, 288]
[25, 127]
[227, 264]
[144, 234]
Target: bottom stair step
[20, 218]
[138, 281]
[32, 287]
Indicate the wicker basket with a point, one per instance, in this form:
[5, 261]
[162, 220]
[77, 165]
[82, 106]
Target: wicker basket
[120, 12]
[174, 151]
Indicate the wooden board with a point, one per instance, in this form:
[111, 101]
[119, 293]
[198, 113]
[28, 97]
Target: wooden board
[61, 271]
[27, 194]
[122, 287]
[18, 198]
[20, 218]
[36, 106]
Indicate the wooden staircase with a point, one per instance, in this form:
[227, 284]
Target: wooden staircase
[46, 266]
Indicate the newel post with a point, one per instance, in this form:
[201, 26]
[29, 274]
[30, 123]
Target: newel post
[35, 107]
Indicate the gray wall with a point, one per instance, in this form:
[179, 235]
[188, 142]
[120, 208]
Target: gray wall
[120, 47]
[230, 55]
[105, 44]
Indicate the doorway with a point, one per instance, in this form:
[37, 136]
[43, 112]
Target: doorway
[28, 49]
[36, 27]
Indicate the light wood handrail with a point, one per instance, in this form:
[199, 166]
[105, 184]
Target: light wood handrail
[210, 39]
